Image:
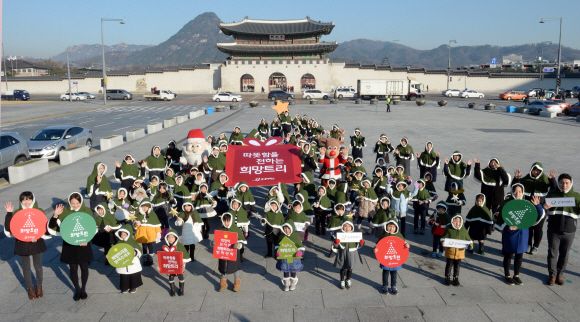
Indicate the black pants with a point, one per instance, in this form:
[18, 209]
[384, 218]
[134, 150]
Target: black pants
[386, 278]
[507, 260]
[437, 243]
[536, 234]
[205, 228]
[37, 262]
[147, 248]
[558, 247]
[345, 273]
[130, 281]
[452, 263]
[420, 212]
[180, 277]
[165, 222]
[388, 107]
[320, 216]
[74, 275]
[190, 250]
[402, 221]
[290, 274]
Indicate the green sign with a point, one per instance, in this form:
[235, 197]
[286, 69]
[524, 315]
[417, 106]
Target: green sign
[78, 228]
[287, 250]
[120, 255]
[520, 213]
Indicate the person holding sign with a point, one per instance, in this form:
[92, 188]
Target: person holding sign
[226, 267]
[562, 221]
[289, 252]
[273, 221]
[347, 256]
[28, 249]
[107, 224]
[515, 239]
[147, 230]
[390, 229]
[455, 239]
[301, 222]
[172, 243]
[130, 275]
[74, 256]
[98, 185]
[479, 222]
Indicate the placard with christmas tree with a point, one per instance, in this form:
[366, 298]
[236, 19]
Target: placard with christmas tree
[78, 228]
[519, 213]
[391, 252]
[28, 224]
[287, 250]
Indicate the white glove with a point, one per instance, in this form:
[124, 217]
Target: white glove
[238, 245]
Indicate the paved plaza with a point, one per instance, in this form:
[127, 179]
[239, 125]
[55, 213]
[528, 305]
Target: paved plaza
[517, 140]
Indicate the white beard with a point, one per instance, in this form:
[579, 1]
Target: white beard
[194, 158]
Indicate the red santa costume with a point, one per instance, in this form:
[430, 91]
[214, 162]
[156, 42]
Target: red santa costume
[331, 166]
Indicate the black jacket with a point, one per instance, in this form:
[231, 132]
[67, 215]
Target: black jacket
[25, 248]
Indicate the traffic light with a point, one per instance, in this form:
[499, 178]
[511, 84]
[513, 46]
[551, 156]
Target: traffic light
[506, 66]
[558, 82]
[450, 78]
[102, 82]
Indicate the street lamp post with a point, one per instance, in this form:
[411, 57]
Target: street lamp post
[449, 61]
[103, 53]
[542, 62]
[559, 51]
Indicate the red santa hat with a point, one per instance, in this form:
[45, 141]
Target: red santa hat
[195, 135]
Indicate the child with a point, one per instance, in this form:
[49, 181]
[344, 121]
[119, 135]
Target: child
[380, 183]
[430, 186]
[155, 163]
[404, 154]
[130, 275]
[355, 185]
[273, 221]
[107, 224]
[428, 161]
[514, 240]
[275, 128]
[169, 178]
[171, 240]
[180, 192]
[128, 171]
[455, 170]
[400, 197]
[264, 128]
[382, 148]
[191, 233]
[307, 185]
[421, 207]
[237, 137]
[438, 222]
[98, 185]
[381, 164]
[191, 178]
[358, 166]
[199, 179]
[347, 256]
[230, 267]
[216, 162]
[493, 180]
[162, 203]
[28, 250]
[322, 207]
[297, 215]
[454, 230]
[479, 222]
[390, 229]
[357, 142]
[244, 195]
[153, 187]
[401, 175]
[290, 270]
[173, 154]
[204, 204]
[383, 215]
[335, 221]
[120, 206]
[147, 230]
[331, 190]
[366, 204]
[240, 216]
[139, 194]
[455, 198]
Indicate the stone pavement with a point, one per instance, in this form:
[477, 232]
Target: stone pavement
[483, 295]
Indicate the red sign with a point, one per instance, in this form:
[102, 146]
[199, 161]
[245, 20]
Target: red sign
[28, 224]
[262, 164]
[170, 261]
[224, 244]
[392, 252]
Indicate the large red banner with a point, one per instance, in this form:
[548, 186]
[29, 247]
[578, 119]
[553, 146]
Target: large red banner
[224, 245]
[28, 224]
[392, 252]
[262, 164]
[170, 261]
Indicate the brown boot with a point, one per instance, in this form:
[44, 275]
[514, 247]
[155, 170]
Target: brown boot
[31, 293]
[39, 293]
[551, 281]
[237, 283]
[560, 280]
[223, 285]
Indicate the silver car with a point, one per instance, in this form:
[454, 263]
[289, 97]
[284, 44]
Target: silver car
[118, 94]
[538, 106]
[48, 142]
[88, 95]
[13, 150]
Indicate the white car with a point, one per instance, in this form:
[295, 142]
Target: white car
[533, 92]
[88, 95]
[226, 97]
[345, 92]
[451, 92]
[538, 106]
[314, 93]
[470, 93]
[75, 97]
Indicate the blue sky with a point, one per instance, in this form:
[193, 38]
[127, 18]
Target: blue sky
[41, 28]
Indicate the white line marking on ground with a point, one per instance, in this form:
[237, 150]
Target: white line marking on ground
[103, 124]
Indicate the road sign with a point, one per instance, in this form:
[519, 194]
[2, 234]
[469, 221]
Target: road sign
[75, 83]
[548, 70]
[494, 61]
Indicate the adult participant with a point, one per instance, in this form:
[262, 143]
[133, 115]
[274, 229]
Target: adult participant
[493, 180]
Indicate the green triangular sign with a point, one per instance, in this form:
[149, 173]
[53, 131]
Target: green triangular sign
[287, 250]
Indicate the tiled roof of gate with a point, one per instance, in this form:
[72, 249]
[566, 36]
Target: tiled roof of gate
[276, 27]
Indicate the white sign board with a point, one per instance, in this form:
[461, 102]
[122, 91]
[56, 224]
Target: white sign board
[300, 226]
[456, 243]
[561, 202]
[349, 237]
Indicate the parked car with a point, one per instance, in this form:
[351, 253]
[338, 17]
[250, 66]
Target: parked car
[16, 94]
[572, 93]
[278, 95]
[13, 150]
[573, 109]
[118, 94]
[533, 92]
[512, 95]
[75, 97]
[562, 103]
[88, 95]
[538, 106]
[470, 93]
[314, 93]
[451, 92]
[48, 142]
[345, 92]
[226, 97]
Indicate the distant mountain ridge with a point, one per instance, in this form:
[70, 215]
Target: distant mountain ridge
[195, 43]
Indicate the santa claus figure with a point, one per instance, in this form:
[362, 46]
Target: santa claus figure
[195, 149]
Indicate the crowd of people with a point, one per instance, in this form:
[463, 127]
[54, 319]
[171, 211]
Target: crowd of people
[159, 192]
